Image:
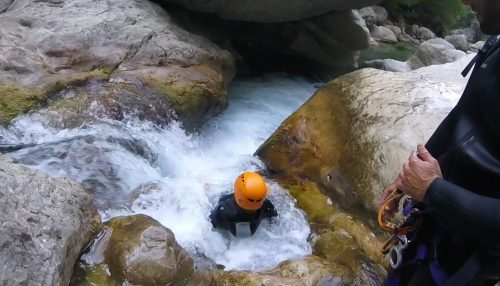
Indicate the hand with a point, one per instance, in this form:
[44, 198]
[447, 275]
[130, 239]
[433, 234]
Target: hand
[418, 173]
[392, 207]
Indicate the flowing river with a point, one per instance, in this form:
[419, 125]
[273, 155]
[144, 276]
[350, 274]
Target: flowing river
[134, 167]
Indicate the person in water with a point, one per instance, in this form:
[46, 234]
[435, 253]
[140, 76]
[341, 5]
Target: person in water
[454, 182]
[241, 212]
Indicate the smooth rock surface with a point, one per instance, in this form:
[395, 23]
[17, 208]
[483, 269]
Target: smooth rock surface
[45, 222]
[434, 52]
[134, 249]
[352, 136]
[47, 45]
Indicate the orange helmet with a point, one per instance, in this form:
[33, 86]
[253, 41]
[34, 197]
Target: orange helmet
[250, 191]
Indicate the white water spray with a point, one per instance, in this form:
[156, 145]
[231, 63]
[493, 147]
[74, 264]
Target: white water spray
[136, 167]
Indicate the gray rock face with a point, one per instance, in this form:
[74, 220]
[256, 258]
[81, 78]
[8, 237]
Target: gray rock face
[374, 15]
[425, 34]
[43, 38]
[268, 11]
[383, 34]
[420, 33]
[332, 39]
[433, 52]
[46, 42]
[473, 33]
[459, 41]
[45, 222]
[404, 111]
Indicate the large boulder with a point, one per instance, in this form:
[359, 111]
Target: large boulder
[459, 41]
[135, 249]
[47, 45]
[45, 222]
[434, 52]
[374, 15]
[331, 40]
[383, 34]
[473, 33]
[352, 136]
[268, 11]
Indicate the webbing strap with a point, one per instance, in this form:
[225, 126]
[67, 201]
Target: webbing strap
[438, 274]
[467, 69]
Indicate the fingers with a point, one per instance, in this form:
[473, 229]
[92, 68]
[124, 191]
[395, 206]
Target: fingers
[424, 153]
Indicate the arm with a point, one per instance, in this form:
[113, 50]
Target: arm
[269, 209]
[476, 215]
[218, 219]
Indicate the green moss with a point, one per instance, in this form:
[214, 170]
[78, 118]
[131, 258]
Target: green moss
[16, 100]
[313, 202]
[98, 276]
[185, 99]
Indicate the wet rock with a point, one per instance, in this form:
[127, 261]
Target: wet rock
[84, 159]
[45, 222]
[133, 42]
[137, 250]
[271, 11]
[96, 100]
[353, 134]
[325, 215]
[308, 271]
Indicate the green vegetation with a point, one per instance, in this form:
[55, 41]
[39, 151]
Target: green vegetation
[438, 15]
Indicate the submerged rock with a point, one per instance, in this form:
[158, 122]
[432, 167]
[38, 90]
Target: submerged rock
[45, 222]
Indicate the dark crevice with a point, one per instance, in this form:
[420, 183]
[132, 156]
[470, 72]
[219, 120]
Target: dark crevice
[7, 7]
[257, 47]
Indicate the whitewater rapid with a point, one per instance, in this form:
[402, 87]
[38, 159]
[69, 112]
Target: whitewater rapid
[133, 167]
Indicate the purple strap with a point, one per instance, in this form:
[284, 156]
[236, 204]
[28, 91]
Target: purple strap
[437, 273]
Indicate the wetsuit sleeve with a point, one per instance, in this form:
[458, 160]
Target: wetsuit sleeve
[474, 214]
[218, 218]
[269, 210]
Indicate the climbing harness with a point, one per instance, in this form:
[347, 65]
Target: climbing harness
[399, 239]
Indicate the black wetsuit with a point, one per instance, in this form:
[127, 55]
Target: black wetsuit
[465, 204]
[226, 215]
